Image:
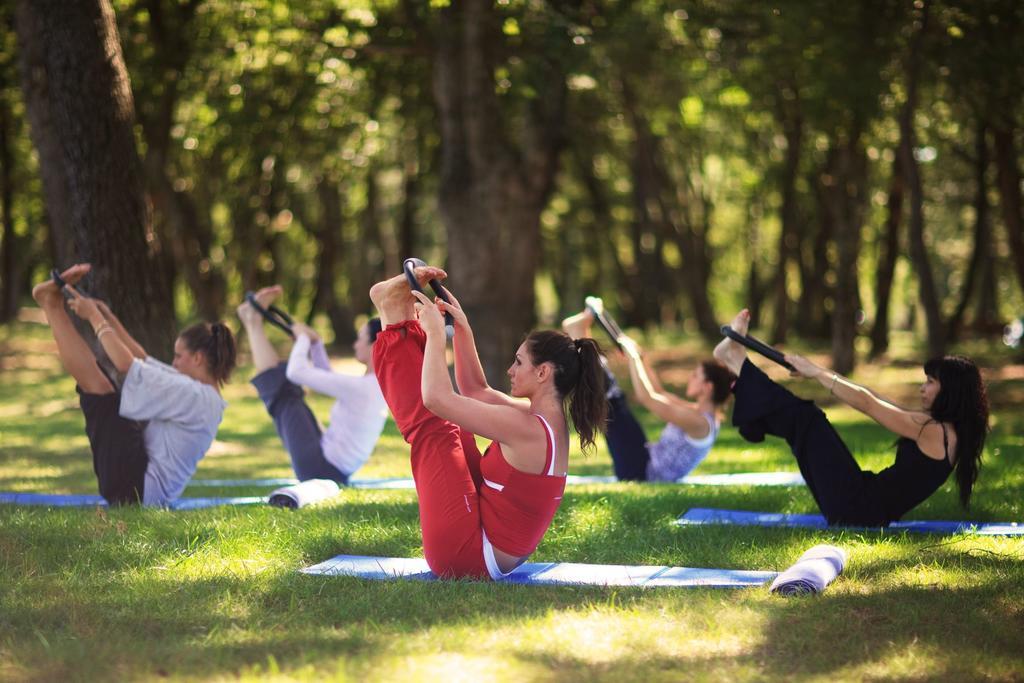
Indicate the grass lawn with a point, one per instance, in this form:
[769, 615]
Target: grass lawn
[137, 594]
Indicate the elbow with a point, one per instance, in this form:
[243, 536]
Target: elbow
[432, 402]
[437, 402]
[293, 374]
[475, 393]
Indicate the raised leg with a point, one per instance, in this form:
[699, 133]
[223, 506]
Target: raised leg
[264, 356]
[830, 470]
[75, 354]
[728, 352]
[448, 498]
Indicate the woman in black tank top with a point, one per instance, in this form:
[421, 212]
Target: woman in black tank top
[946, 435]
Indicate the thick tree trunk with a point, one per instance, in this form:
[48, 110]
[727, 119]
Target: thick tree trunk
[80, 106]
[789, 235]
[888, 251]
[492, 191]
[1008, 179]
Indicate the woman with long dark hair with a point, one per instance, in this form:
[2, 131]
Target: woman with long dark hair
[946, 435]
[691, 422]
[482, 514]
[148, 436]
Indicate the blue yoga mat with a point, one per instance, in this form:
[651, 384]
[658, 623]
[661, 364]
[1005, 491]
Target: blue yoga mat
[549, 574]
[747, 518]
[735, 479]
[81, 500]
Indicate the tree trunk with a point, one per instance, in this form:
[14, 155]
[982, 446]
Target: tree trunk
[9, 271]
[80, 106]
[849, 192]
[789, 235]
[973, 280]
[927, 291]
[755, 288]
[325, 299]
[492, 191]
[1008, 180]
[888, 251]
[813, 319]
[648, 225]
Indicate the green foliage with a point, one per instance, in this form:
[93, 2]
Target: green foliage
[249, 107]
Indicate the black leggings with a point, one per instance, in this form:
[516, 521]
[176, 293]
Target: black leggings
[836, 481]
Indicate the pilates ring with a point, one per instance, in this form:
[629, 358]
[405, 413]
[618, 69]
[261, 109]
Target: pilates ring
[273, 315]
[596, 306]
[409, 267]
[759, 346]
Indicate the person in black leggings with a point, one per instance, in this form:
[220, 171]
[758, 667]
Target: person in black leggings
[947, 434]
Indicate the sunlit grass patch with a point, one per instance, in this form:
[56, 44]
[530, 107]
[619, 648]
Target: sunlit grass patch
[139, 594]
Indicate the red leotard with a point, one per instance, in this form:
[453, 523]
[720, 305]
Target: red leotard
[467, 500]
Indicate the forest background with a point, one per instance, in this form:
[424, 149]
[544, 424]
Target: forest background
[843, 169]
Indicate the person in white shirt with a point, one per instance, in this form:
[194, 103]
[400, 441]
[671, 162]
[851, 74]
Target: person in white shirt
[359, 410]
[148, 435]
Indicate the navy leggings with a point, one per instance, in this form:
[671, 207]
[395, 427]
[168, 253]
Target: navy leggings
[296, 425]
[626, 440]
[832, 474]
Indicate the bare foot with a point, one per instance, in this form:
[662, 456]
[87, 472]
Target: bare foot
[47, 293]
[394, 299]
[728, 352]
[266, 296]
[578, 326]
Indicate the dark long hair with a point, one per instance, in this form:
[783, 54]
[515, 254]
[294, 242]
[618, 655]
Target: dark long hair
[721, 379]
[217, 345]
[963, 402]
[579, 379]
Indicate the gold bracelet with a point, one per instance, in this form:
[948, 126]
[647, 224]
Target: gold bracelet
[103, 330]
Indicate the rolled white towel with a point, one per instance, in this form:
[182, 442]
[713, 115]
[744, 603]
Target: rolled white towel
[816, 569]
[304, 493]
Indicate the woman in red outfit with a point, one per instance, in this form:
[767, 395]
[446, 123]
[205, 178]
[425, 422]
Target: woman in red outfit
[483, 514]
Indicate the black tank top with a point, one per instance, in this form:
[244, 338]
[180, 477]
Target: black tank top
[914, 476]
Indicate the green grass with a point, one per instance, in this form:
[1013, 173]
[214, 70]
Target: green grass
[137, 594]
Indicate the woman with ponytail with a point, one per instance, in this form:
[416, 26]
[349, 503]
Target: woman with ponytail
[482, 514]
[947, 434]
[148, 435]
[691, 423]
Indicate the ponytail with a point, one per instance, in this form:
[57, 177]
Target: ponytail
[579, 379]
[721, 378]
[217, 345]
